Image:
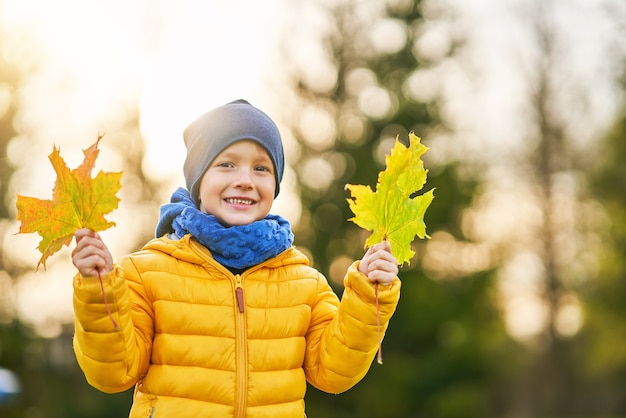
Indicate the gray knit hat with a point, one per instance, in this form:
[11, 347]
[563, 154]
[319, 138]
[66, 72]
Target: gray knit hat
[219, 128]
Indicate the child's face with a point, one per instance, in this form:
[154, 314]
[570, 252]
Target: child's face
[238, 187]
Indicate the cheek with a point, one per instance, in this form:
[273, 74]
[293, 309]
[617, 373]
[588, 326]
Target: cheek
[271, 188]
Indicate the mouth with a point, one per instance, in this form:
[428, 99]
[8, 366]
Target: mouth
[237, 201]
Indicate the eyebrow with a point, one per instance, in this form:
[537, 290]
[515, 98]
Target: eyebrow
[229, 153]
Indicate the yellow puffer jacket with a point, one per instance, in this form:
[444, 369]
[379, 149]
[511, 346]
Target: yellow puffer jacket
[199, 341]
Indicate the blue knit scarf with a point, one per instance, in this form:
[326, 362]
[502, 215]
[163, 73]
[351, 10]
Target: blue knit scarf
[235, 247]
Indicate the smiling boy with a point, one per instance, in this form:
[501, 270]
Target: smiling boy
[220, 315]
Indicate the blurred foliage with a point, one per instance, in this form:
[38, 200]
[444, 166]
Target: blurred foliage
[602, 342]
[447, 352]
[52, 384]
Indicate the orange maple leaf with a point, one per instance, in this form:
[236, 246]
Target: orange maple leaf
[78, 201]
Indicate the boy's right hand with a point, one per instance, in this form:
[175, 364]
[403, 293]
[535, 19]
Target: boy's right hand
[91, 256]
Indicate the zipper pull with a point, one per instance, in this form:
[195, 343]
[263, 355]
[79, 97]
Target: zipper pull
[239, 293]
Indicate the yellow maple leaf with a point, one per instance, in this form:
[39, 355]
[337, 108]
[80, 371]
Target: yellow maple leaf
[393, 212]
[78, 201]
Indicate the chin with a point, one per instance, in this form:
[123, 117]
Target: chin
[237, 222]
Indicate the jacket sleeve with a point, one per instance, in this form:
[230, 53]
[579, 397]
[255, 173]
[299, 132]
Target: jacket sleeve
[112, 360]
[342, 341]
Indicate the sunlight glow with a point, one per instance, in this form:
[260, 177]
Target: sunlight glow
[205, 60]
[389, 35]
[318, 128]
[94, 67]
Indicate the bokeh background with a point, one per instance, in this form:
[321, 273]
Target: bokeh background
[515, 305]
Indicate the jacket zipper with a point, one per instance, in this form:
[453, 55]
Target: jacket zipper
[240, 324]
[241, 354]
[239, 293]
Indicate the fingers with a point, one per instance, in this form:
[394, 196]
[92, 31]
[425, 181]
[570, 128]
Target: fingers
[84, 232]
[381, 252]
[382, 272]
[384, 246]
[91, 256]
[379, 264]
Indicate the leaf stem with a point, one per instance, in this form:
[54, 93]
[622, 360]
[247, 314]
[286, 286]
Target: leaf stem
[106, 303]
[379, 357]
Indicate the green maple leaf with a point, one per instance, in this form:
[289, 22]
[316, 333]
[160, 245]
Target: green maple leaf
[78, 201]
[393, 212]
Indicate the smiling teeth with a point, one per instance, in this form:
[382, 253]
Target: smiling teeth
[240, 201]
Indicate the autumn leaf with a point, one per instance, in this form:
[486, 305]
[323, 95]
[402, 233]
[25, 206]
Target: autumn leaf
[78, 201]
[393, 212]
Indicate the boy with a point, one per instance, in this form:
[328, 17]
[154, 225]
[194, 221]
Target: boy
[220, 316]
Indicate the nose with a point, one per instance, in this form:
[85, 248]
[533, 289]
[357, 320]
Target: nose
[244, 179]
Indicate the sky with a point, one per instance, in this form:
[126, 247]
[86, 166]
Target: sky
[91, 63]
[181, 58]
[486, 96]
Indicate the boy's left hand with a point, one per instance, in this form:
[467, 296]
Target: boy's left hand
[379, 265]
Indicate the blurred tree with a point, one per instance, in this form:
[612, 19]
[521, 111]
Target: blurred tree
[535, 203]
[447, 353]
[445, 349]
[602, 339]
[11, 342]
[52, 385]
[565, 232]
[8, 82]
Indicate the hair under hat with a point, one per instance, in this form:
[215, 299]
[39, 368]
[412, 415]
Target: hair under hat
[210, 134]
